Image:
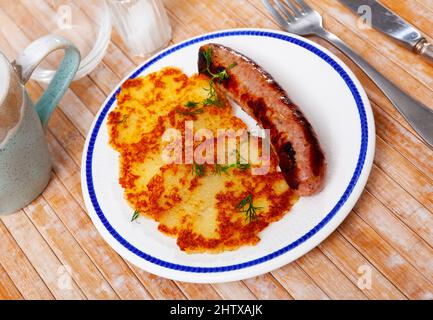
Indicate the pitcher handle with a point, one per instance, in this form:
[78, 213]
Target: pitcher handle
[33, 55]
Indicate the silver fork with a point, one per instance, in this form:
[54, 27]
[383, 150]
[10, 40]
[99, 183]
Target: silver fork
[295, 16]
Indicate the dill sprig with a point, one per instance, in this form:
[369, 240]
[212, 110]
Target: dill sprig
[198, 169]
[219, 169]
[191, 104]
[192, 109]
[135, 216]
[213, 98]
[243, 166]
[246, 206]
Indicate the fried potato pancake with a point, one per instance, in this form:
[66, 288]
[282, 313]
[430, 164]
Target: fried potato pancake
[207, 208]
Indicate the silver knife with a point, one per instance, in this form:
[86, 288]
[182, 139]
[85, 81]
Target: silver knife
[394, 26]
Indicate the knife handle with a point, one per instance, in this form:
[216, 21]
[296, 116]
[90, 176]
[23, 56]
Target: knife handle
[425, 48]
[419, 116]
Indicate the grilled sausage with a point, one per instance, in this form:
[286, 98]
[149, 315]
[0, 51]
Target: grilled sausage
[301, 158]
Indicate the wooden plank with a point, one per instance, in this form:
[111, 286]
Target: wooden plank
[105, 78]
[403, 172]
[392, 230]
[89, 93]
[401, 203]
[51, 270]
[385, 258]
[114, 269]
[20, 269]
[234, 291]
[427, 4]
[194, 291]
[402, 140]
[377, 47]
[413, 11]
[253, 14]
[353, 265]
[8, 291]
[321, 270]
[160, 288]
[266, 287]
[69, 251]
[298, 283]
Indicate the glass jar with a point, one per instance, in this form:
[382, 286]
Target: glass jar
[87, 24]
[143, 25]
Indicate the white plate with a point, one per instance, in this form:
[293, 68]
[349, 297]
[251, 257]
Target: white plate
[334, 102]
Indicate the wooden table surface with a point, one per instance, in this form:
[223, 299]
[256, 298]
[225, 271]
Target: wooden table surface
[51, 250]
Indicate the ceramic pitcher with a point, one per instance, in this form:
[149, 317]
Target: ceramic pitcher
[25, 165]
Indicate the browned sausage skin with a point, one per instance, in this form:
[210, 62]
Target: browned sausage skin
[301, 158]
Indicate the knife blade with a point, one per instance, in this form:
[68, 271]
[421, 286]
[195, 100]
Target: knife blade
[388, 22]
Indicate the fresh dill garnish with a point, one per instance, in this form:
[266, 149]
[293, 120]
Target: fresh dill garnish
[135, 216]
[213, 98]
[246, 206]
[198, 169]
[220, 76]
[191, 104]
[243, 166]
[192, 109]
[219, 169]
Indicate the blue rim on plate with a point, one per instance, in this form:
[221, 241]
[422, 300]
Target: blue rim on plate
[305, 237]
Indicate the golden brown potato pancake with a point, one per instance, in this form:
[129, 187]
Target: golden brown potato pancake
[202, 209]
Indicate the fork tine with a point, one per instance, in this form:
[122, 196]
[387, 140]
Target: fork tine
[282, 8]
[275, 13]
[304, 6]
[293, 7]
